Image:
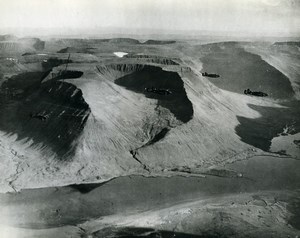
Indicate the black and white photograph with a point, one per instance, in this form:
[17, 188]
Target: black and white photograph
[149, 119]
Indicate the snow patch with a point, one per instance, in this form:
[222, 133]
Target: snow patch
[12, 59]
[120, 54]
[75, 92]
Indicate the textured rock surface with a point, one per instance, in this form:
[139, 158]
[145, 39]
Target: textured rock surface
[88, 122]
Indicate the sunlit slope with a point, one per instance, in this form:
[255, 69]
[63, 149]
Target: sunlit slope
[131, 127]
[102, 123]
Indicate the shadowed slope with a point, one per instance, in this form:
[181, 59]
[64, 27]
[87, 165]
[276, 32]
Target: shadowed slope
[240, 70]
[60, 104]
[177, 102]
[153, 59]
[260, 131]
[159, 42]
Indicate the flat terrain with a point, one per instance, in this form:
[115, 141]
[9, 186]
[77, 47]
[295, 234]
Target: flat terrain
[94, 143]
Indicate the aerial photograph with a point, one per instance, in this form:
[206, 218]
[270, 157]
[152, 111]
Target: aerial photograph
[149, 118]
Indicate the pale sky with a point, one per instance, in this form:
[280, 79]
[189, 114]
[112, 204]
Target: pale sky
[258, 17]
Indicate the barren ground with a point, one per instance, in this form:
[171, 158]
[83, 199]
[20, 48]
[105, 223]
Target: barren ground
[103, 157]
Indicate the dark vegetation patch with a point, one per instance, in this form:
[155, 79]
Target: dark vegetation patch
[240, 70]
[260, 131]
[149, 76]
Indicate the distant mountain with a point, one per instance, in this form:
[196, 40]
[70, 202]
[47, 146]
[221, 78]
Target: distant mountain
[8, 38]
[291, 43]
[124, 40]
[36, 43]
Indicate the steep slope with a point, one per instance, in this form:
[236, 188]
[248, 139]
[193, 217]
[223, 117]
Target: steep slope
[103, 124]
[284, 56]
[153, 59]
[11, 45]
[239, 70]
[251, 65]
[153, 77]
[59, 106]
[132, 121]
